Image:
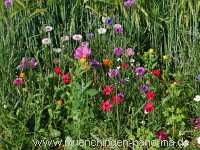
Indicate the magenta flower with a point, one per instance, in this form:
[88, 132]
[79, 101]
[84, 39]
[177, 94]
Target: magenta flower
[161, 135]
[8, 3]
[28, 63]
[129, 3]
[118, 51]
[113, 73]
[83, 51]
[140, 71]
[195, 122]
[18, 81]
[118, 28]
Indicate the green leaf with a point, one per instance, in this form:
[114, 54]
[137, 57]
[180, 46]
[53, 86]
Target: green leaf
[54, 133]
[91, 92]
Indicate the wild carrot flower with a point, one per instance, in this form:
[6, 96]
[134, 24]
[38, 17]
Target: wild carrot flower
[48, 28]
[148, 107]
[113, 73]
[150, 95]
[118, 28]
[118, 51]
[106, 105]
[107, 62]
[156, 72]
[129, 3]
[18, 81]
[77, 37]
[161, 135]
[58, 70]
[66, 78]
[46, 41]
[107, 90]
[129, 52]
[140, 71]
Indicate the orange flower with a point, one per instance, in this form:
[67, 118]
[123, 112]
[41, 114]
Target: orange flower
[107, 62]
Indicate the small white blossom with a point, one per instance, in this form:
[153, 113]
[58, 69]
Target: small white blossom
[48, 28]
[64, 38]
[77, 37]
[197, 98]
[57, 50]
[118, 59]
[198, 140]
[185, 143]
[102, 30]
[46, 41]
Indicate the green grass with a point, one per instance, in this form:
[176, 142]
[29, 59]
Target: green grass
[170, 26]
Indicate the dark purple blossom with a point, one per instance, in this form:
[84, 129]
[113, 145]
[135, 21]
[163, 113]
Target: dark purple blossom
[109, 21]
[161, 135]
[144, 88]
[90, 35]
[140, 71]
[94, 63]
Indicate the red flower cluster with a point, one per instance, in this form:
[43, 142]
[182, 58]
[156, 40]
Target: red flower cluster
[148, 107]
[124, 65]
[66, 77]
[156, 72]
[150, 95]
[107, 90]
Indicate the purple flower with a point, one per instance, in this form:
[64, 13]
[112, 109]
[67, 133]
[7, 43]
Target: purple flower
[118, 51]
[113, 73]
[144, 88]
[90, 35]
[109, 21]
[94, 63]
[118, 28]
[24, 64]
[129, 3]
[198, 77]
[33, 63]
[8, 3]
[121, 94]
[140, 71]
[195, 122]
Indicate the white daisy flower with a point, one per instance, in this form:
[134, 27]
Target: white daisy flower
[48, 28]
[102, 30]
[65, 38]
[197, 98]
[118, 59]
[57, 50]
[118, 67]
[77, 37]
[46, 41]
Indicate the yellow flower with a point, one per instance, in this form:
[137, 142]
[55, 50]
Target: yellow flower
[60, 102]
[82, 61]
[22, 75]
[151, 50]
[165, 57]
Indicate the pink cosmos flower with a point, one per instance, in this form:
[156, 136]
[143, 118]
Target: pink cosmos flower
[18, 81]
[83, 51]
[129, 52]
[113, 73]
[118, 28]
[106, 105]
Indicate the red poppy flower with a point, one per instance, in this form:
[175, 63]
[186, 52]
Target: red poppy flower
[58, 70]
[66, 78]
[156, 72]
[116, 99]
[148, 107]
[106, 105]
[107, 90]
[150, 95]
[124, 65]
[161, 135]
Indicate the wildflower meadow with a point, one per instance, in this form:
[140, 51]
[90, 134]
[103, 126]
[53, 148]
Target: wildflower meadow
[100, 74]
